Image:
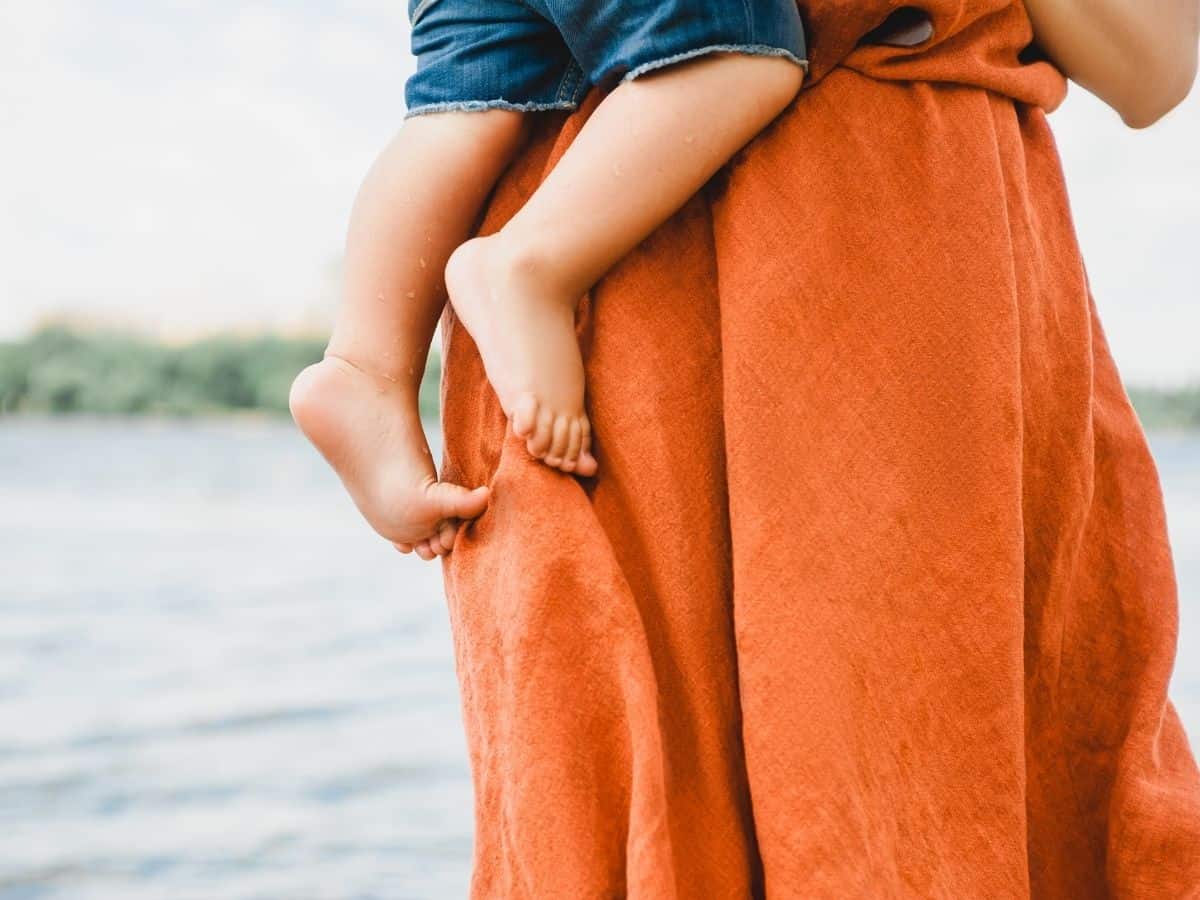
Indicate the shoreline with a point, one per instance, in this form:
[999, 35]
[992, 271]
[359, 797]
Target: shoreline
[64, 372]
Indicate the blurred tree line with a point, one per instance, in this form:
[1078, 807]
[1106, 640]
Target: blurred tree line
[1179, 408]
[63, 370]
[60, 370]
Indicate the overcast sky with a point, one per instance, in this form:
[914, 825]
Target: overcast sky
[185, 165]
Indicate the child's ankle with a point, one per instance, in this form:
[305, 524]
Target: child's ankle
[528, 261]
[405, 384]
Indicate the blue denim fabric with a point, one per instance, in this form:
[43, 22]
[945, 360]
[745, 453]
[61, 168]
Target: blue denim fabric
[546, 54]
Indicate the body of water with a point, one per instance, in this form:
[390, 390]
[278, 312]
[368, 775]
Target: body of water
[216, 682]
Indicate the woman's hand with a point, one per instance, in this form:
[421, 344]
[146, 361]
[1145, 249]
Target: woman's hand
[1138, 56]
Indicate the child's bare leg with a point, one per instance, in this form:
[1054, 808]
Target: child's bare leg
[647, 148]
[359, 405]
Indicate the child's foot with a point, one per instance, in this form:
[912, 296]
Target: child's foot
[526, 336]
[369, 429]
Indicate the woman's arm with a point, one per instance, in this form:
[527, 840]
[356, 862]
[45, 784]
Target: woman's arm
[1138, 56]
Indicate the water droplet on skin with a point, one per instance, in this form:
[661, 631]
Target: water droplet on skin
[422, 260]
[689, 139]
[616, 170]
[379, 297]
[411, 294]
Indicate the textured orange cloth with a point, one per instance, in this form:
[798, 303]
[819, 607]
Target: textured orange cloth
[872, 596]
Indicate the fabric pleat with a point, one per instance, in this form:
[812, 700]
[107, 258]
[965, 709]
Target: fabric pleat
[872, 595]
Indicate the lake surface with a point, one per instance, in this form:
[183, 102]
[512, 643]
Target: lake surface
[215, 682]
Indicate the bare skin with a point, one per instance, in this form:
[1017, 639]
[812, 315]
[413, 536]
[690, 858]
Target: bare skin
[646, 149]
[1138, 56]
[359, 406]
[516, 291]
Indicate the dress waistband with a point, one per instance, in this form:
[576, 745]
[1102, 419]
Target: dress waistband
[982, 43]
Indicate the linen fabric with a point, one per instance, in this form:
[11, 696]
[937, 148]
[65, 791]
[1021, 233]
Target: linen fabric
[872, 594]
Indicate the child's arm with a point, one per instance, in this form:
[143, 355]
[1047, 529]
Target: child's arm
[1138, 56]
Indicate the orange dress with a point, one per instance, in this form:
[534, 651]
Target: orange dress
[872, 595]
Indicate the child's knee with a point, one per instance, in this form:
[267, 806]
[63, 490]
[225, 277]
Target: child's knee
[780, 80]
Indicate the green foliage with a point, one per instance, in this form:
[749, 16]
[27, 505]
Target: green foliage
[1168, 409]
[60, 371]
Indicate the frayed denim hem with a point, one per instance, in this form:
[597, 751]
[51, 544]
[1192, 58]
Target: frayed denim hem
[748, 49]
[481, 105]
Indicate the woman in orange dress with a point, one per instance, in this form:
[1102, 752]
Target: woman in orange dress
[871, 595]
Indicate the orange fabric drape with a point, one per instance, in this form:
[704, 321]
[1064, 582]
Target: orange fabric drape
[872, 596]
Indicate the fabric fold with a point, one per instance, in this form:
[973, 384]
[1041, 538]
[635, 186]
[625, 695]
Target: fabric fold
[872, 595]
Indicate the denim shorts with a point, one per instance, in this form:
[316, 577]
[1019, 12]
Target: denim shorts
[530, 55]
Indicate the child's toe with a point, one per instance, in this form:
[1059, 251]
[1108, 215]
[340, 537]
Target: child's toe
[539, 442]
[574, 443]
[560, 435]
[525, 415]
[586, 464]
[423, 550]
